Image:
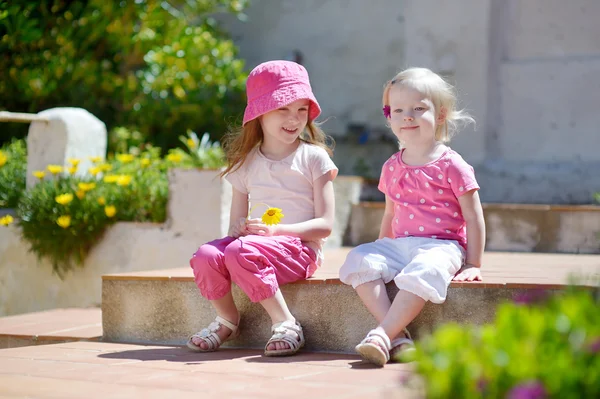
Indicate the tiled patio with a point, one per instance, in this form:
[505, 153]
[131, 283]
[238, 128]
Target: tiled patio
[93, 369]
[103, 370]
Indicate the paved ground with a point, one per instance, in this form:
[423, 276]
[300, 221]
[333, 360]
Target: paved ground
[93, 369]
[104, 370]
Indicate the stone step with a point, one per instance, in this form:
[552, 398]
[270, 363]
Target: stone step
[51, 327]
[165, 306]
[509, 227]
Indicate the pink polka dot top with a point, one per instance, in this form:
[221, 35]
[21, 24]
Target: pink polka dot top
[426, 196]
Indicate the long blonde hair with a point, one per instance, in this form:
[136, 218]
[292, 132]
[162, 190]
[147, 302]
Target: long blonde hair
[240, 141]
[440, 92]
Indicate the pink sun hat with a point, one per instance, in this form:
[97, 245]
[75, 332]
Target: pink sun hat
[275, 84]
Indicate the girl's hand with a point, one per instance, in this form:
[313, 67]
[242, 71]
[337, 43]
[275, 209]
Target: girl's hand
[238, 228]
[468, 273]
[256, 226]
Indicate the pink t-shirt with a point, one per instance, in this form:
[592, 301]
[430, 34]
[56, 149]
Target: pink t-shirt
[426, 197]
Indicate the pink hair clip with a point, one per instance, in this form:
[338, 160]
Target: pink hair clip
[386, 111]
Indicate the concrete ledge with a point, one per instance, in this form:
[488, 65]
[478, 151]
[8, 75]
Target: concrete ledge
[165, 307]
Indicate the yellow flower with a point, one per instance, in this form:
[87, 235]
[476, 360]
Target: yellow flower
[85, 187]
[125, 158]
[145, 162]
[39, 174]
[64, 221]
[101, 201]
[54, 169]
[124, 180]
[64, 199]
[272, 216]
[95, 159]
[3, 159]
[80, 194]
[111, 178]
[72, 170]
[94, 170]
[173, 157]
[191, 143]
[6, 220]
[105, 167]
[74, 161]
[110, 211]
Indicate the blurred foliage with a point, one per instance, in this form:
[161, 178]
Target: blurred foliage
[13, 169]
[153, 66]
[201, 153]
[541, 346]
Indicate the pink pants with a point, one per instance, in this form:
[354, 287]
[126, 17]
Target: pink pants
[257, 264]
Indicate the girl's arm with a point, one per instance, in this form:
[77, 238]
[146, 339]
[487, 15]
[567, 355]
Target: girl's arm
[386, 222]
[314, 229]
[238, 214]
[473, 213]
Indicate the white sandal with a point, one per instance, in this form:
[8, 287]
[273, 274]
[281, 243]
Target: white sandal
[375, 348]
[282, 333]
[210, 336]
[397, 343]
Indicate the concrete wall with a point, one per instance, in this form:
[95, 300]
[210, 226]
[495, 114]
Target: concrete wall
[525, 69]
[350, 48]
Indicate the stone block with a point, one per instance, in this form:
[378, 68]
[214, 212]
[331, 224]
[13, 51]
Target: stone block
[69, 133]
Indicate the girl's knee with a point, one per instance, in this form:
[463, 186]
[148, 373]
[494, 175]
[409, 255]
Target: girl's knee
[357, 269]
[232, 252]
[206, 256]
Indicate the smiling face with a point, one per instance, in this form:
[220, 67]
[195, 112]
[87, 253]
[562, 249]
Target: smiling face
[283, 126]
[412, 116]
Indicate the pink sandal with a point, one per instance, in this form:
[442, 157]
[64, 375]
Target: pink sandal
[398, 343]
[375, 348]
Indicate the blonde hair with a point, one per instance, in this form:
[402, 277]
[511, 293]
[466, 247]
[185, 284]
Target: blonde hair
[441, 93]
[240, 141]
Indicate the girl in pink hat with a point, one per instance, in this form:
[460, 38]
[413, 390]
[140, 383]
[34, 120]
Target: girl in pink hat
[432, 208]
[279, 157]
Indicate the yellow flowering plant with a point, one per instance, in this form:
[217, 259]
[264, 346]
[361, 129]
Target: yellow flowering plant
[62, 218]
[6, 220]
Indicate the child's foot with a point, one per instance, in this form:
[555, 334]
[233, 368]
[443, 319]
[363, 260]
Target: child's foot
[287, 339]
[211, 338]
[375, 347]
[402, 344]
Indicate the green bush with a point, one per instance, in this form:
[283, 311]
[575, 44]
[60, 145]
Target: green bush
[201, 153]
[154, 66]
[13, 169]
[549, 349]
[64, 216]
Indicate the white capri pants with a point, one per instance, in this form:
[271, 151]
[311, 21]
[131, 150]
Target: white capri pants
[420, 265]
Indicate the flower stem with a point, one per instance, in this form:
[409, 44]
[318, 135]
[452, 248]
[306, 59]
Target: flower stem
[254, 206]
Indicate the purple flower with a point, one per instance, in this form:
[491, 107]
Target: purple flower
[528, 390]
[387, 111]
[482, 384]
[594, 347]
